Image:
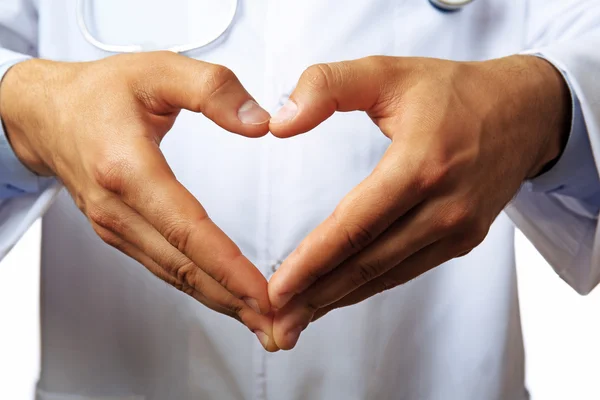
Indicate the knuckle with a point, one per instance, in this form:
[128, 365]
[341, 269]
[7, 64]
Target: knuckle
[184, 273]
[386, 66]
[190, 281]
[105, 220]
[112, 172]
[318, 76]
[365, 271]
[459, 218]
[376, 60]
[96, 215]
[356, 235]
[108, 237]
[178, 234]
[217, 76]
[213, 78]
[99, 216]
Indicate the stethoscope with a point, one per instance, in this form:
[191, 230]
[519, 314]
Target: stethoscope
[444, 5]
[450, 5]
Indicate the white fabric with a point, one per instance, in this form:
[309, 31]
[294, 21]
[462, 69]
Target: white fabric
[110, 330]
[17, 215]
[560, 227]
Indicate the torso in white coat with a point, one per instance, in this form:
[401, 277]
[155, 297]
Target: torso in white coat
[112, 331]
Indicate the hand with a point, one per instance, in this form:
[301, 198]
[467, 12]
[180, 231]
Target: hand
[464, 136]
[97, 126]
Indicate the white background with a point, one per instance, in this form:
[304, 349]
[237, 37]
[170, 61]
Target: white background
[562, 329]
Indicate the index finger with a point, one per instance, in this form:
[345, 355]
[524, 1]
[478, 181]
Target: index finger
[146, 183]
[366, 212]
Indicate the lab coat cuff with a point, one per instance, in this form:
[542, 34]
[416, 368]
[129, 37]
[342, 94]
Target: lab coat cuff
[575, 173]
[15, 178]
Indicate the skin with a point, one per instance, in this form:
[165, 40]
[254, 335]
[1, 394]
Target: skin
[464, 137]
[106, 152]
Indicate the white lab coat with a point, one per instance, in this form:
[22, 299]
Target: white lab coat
[112, 331]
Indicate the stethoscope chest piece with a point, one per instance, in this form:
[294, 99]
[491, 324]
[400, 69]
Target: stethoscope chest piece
[449, 5]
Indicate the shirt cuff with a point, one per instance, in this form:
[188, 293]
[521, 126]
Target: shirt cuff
[15, 178]
[575, 173]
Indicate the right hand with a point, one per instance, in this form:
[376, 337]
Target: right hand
[97, 126]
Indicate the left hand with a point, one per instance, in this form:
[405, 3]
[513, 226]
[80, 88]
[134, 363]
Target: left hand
[464, 137]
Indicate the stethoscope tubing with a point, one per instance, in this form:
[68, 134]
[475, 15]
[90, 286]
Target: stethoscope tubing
[444, 5]
[449, 5]
[81, 12]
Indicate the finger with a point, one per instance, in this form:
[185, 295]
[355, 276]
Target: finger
[285, 326]
[416, 230]
[132, 251]
[422, 226]
[261, 325]
[109, 212]
[414, 266]
[197, 284]
[367, 211]
[214, 90]
[325, 88]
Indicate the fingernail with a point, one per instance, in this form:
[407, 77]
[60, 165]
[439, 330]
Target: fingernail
[253, 304]
[292, 336]
[283, 299]
[285, 113]
[262, 338]
[252, 114]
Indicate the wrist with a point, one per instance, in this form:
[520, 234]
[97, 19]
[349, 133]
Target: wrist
[534, 103]
[554, 114]
[23, 96]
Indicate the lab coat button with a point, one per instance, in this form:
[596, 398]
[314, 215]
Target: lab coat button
[275, 266]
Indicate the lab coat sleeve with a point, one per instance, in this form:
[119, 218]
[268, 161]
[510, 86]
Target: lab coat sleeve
[559, 212]
[24, 197]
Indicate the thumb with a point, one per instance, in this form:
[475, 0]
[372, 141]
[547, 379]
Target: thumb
[176, 82]
[326, 88]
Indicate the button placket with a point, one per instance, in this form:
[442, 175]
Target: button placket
[260, 356]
